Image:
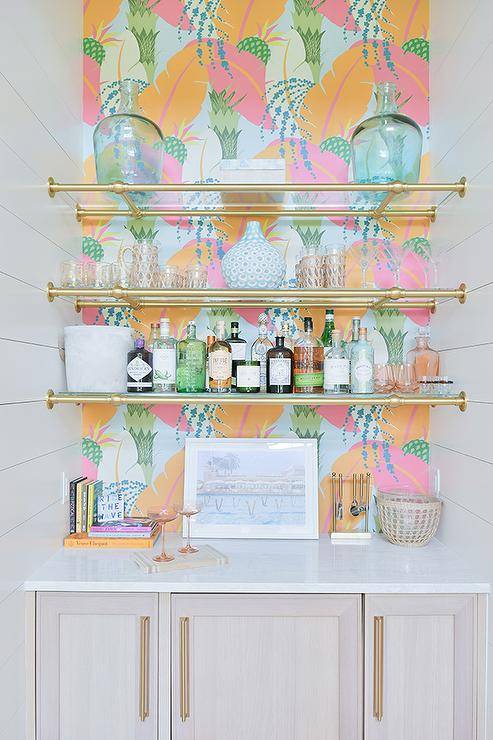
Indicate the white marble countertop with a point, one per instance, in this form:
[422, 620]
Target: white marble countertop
[272, 566]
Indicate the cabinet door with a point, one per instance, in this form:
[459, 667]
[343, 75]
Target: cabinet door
[420, 668]
[266, 667]
[96, 666]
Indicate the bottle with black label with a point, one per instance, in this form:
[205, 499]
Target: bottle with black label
[279, 368]
[139, 369]
[238, 349]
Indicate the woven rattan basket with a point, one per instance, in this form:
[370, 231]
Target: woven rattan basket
[408, 518]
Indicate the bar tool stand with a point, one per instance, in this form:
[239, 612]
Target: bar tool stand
[361, 486]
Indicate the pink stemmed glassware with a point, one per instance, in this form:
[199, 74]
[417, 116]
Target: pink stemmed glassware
[187, 512]
[162, 515]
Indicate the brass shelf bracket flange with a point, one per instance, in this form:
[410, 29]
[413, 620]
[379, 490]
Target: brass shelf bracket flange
[462, 293]
[463, 190]
[49, 292]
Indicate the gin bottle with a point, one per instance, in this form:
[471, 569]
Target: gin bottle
[288, 339]
[362, 379]
[238, 348]
[190, 371]
[139, 369]
[328, 328]
[260, 348]
[164, 359]
[336, 366]
[220, 361]
[279, 368]
[308, 361]
[356, 323]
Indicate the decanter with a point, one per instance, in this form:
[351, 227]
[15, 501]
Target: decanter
[128, 147]
[426, 360]
[386, 147]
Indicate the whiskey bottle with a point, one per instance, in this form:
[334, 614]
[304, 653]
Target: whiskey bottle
[336, 366]
[308, 361]
[190, 370]
[362, 373]
[139, 369]
[164, 359]
[220, 362]
[260, 348]
[238, 348]
[279, 368]
[210, 339]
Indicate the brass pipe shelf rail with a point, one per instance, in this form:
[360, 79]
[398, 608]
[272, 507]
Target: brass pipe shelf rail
[393, 400]
[381, 211]
[178, 297]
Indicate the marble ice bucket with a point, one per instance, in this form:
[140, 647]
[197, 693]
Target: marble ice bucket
[96, 358]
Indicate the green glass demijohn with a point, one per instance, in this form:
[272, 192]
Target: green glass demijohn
[128, 147]
[386, 147]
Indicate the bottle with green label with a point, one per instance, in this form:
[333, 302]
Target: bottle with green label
[328, 328]
[190, 371]
[308, 361]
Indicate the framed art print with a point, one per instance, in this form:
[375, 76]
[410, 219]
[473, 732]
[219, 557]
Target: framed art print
[257, 488]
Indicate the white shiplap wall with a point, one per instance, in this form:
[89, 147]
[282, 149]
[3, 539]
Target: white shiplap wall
[461, 98]
[40, 135]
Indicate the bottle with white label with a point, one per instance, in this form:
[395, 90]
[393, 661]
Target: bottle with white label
[238, 348]
[279, 368]
[164, 359]
[260, 347]
[362, 376]
[336, 366]
[139, 369]
[220, 362]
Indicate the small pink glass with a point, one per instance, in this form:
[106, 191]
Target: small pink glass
[162, 515]
[405, 378]
[187, 512]
[384, 378]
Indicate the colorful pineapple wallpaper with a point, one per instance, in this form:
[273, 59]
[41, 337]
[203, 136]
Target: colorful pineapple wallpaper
[248, 79]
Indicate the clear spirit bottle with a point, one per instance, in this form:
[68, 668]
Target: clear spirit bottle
[220, 361]
[308, 361]
[260, 348]
[336, 366]
[426, 360]
[288, 339]
[238, 348]
[164, 359]
[190, 370]
[362, 373]
[279, 368]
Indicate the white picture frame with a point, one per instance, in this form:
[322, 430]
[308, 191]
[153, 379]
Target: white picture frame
[243, 488]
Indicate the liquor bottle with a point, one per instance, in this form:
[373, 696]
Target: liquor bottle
[362, 379]
[139, 369]
[190, 371]
[426, 360]
[308, 361]
[336, 366]
[164, 359]
[288, 339]
[238, 348]
[328, 328]
[356, 323]
[153, 335]
[260, 347]
[210, 339]
[279, 368]
[220, 362]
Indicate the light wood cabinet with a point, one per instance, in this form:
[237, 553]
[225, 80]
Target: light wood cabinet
[96, 658]
[421, 673]
[266, 667]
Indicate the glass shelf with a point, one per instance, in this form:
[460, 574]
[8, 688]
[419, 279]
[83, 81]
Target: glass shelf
[376, 298]
[192, 200]
[393, 400]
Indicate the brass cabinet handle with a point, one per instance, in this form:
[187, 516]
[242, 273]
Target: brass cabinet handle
[145, 623]
[184, 669]
[378, 668]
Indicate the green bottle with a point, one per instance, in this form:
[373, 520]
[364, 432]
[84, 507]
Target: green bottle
[190, 370]
[328, 328]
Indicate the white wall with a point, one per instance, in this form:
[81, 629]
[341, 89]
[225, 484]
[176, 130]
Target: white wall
[40, 135]
[461, 97]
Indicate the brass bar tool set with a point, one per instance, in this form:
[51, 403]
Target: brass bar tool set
[358, 503]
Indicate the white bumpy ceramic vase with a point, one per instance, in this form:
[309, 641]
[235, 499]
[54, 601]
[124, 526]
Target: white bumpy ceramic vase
[253, 262]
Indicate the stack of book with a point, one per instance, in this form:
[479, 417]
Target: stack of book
[88, 530]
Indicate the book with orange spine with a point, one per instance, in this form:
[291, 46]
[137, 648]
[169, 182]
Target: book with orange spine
[83, 541]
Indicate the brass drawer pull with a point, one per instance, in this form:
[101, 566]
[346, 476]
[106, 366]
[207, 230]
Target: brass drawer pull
[184, 669]
[378, 668]
[145, 623]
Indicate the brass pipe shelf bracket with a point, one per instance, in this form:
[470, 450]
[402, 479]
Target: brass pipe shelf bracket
[154, 399]
[382, 211]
